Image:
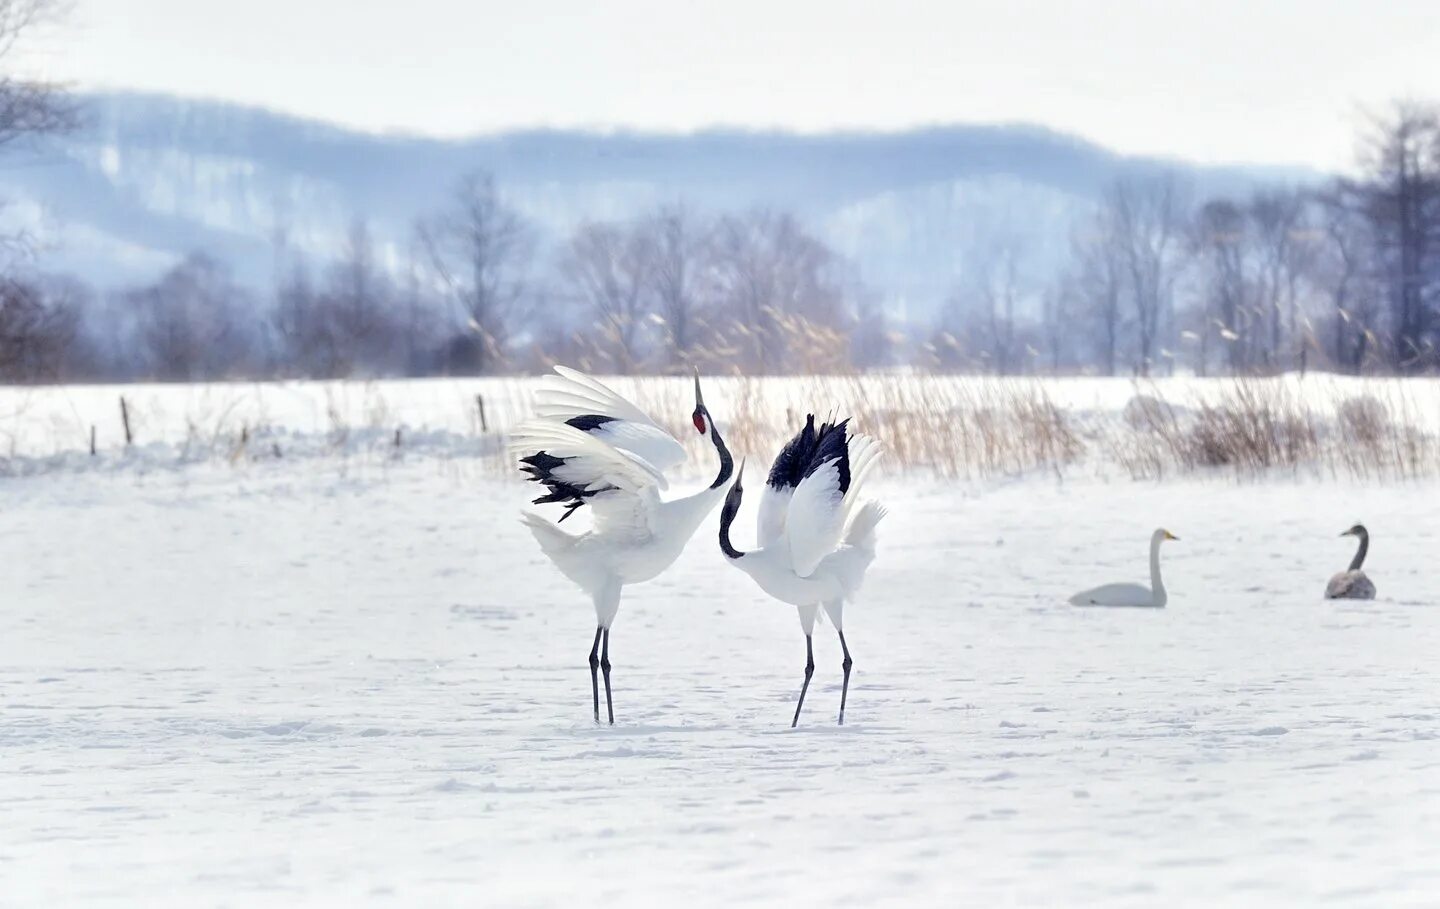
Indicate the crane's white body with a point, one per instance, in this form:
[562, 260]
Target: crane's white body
[835, 580]
[1123, 594]
[815, 540]
[634, 539]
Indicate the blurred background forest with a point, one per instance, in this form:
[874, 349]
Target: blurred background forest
[146, 238]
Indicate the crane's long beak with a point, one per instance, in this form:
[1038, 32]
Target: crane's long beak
[740, 473]
[699, 401]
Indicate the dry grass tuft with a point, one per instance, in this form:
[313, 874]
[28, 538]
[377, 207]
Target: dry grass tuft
[965, 427]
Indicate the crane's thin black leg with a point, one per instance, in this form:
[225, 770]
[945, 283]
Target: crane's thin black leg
[594, 666]
[605, 668]
[809, 671]
[845, 686]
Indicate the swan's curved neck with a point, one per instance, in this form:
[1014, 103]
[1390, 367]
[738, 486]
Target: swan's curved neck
[727, 463]
[1156, 585]
[1359, 559]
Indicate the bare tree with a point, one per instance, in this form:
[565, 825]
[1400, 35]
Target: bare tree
[987, 299]
[1345, 272]
[1400, 194]
[609, 266]
[1148, 218]
[189, 323]
[779, 289]
[29, 106]
[872, 343]
[419, 318]
[1098, 267]
[1058, 307]
[305, 343]
[480, 250]
[357, 308]
[1219, 244]
[678, 248]
[1284, 252]
[348, 324]
[36, 332]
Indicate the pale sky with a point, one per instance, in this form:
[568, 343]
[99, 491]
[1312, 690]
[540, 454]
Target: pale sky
[1211, 80]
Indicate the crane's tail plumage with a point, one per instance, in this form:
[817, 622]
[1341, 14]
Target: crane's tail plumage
[865, 452]
[861, 532]
[554, 542]
[857, 549]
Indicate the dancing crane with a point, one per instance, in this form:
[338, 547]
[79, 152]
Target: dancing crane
[816, 535]
[589, 446]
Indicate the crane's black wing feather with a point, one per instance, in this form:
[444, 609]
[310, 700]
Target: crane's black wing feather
[808, 450]
[541, 469]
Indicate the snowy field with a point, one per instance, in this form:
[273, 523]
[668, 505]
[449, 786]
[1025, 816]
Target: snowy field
[355, 682]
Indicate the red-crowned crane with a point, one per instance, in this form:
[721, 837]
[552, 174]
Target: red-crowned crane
[589, 446]
[816, 533]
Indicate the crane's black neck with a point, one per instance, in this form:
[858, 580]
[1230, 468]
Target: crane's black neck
[727, 517]
[1359, 559]
[727, 463]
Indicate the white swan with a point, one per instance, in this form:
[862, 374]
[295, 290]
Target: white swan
[1352, 584]
[1131, 594]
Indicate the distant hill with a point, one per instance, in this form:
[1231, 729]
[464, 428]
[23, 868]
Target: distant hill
[152, 177]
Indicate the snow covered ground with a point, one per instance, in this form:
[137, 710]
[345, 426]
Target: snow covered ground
[354, 682]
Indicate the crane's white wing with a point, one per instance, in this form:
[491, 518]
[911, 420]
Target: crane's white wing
[651, 443]
[591, 406]
[815, 520]
[774, 502]
[589, 463]
[571, 393]
[579, 469]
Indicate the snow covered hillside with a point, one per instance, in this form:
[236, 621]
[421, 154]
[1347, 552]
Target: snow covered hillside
[152, 178]
[348, 682]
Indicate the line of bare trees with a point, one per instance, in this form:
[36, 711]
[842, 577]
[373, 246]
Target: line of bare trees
[752, 291]
[1344, 276]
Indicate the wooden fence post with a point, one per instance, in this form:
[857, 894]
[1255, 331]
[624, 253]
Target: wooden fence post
[125, 419]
